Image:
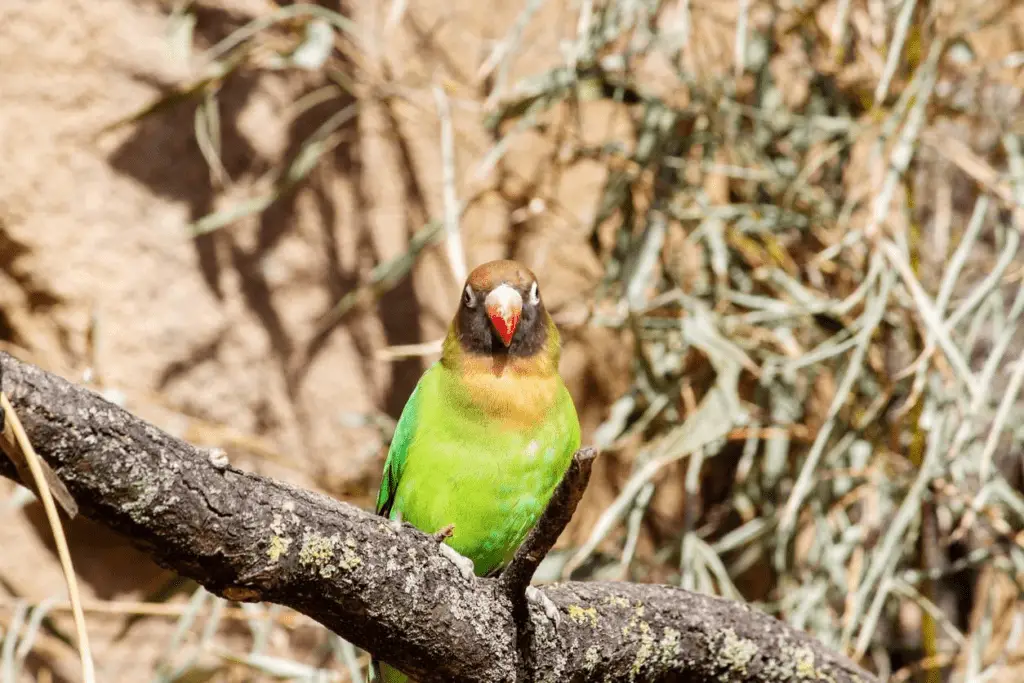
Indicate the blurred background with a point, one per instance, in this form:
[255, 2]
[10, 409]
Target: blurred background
[781, 240]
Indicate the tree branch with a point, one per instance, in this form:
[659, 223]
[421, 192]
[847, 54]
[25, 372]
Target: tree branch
[10, 447]
[519, 572]
[390, 591]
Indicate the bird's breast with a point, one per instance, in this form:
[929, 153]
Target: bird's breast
[515, 401]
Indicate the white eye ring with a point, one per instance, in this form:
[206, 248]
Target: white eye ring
[469, 298]
[534, 294]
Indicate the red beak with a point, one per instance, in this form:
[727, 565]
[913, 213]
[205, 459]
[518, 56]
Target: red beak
[505, 327]
[504, 306]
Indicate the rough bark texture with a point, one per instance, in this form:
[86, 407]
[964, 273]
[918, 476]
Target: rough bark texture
[390, 591]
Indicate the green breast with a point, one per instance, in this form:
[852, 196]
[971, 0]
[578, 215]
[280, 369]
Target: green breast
[452, 464]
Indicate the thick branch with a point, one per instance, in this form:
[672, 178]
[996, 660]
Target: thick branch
[390, 591]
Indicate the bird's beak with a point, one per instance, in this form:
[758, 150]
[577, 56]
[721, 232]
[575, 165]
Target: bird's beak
[504, 306]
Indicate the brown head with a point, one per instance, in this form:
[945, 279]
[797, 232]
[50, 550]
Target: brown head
[501, 313]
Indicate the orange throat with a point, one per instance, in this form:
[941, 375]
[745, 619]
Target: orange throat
[517, 391]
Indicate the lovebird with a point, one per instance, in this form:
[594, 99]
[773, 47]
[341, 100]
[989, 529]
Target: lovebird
[489, 430]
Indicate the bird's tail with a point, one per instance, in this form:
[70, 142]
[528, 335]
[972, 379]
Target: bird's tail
[382, 673]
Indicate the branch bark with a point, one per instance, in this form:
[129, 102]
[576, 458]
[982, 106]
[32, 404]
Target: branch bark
[390, 591]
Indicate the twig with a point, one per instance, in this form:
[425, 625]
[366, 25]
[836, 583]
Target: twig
[519, 572]
[895, 50]
[39, 477]
[903, 151]
[740, 56]
[120, 608]
[395, 14]
[452, 208]
[582, 50]
[636, 517]
[10, 446]
[962, 252]
[949, 280]
[932, 320]
[400, 351]
[990, 282]
[499, 57]
[839, 26]
[254, 27]
[1008, 401]
[872, 317]
[883, 564]
[927, 605]
[691, 485]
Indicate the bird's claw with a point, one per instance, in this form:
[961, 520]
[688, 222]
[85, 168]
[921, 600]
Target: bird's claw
[536, 595]
[218, 458]
[464, 564]
[444, 533]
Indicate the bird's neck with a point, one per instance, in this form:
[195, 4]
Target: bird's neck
[467, 362]
[514, 391]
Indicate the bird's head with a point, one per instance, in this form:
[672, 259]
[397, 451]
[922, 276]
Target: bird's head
[501, 311]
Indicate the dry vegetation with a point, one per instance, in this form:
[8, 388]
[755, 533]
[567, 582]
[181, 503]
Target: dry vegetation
[782, 240]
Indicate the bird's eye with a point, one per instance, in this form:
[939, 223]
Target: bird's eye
[468, 297]
[534, 294]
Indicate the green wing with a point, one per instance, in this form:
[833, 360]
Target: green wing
[395, 463]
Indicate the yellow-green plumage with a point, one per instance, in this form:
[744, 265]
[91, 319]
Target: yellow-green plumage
[482, 443]
[454, 464]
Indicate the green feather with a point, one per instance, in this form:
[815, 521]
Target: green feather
[400, 442]
[382, 673]
[452, 462]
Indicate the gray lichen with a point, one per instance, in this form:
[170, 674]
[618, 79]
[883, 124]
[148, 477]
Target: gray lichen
[280, 543]
[278, 547]
[669, 645]
[583, 615]
[318, 551]
[735, 653]
[645, 652]
[349, 559]
[795, 663]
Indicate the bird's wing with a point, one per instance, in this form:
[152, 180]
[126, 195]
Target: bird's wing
[570, 418]
[405, 430]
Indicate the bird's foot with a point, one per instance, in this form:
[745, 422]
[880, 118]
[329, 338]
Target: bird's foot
[218, 458]
[444, 533]
[396, 522]
[464, 564]
[536, 595]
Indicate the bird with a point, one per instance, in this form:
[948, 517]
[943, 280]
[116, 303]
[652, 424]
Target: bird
[487, 433]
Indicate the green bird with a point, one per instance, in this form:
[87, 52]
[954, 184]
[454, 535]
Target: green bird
[489, 430]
